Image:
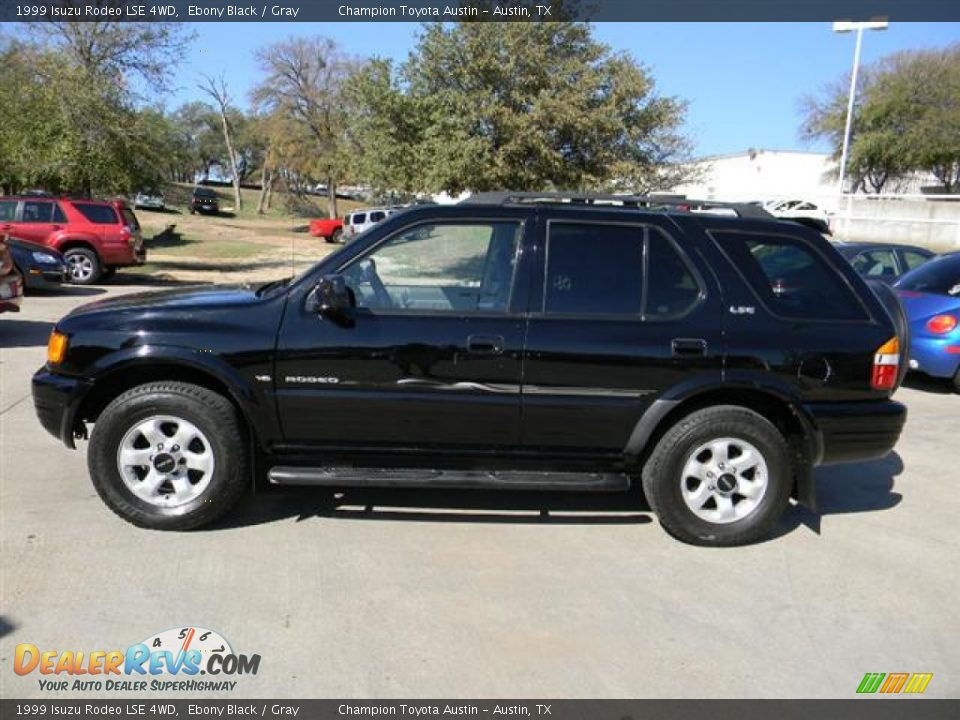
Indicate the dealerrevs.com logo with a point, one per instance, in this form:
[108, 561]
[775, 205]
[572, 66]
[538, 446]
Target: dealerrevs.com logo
[172, 660]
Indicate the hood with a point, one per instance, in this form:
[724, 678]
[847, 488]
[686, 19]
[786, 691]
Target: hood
[919, 306]
[188, 298]
[27, 246]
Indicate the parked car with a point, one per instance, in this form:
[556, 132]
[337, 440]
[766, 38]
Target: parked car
[330, 229]
[537, 342]
[883, 261]
[800, 211]
[95, 237]
[41, 267]
[204, 200]
[11, 285]
[149, 201]
[359, 220]
[931, 298]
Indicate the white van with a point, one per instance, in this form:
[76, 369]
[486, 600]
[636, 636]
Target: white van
[359, 220]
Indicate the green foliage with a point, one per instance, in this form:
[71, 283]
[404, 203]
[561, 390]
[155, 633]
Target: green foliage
[484, 106]
[906, 119]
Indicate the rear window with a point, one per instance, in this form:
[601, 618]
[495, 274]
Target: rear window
[791, 279]
[130, 219]
[204, 193]
[940, 276]
[97, 214]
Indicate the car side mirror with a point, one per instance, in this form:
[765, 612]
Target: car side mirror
[333, 298]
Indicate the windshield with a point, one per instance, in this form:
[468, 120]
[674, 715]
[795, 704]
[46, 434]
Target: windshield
[940, 276]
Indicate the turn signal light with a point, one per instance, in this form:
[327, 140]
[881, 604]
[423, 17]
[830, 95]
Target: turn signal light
[886, 364]
[941, 324]
[56, 347]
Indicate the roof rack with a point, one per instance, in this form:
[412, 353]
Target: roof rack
[652, 202]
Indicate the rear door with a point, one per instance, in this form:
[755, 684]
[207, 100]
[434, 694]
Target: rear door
[36, 221]
[622, 312]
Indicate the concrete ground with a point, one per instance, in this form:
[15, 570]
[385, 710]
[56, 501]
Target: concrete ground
[430, 594]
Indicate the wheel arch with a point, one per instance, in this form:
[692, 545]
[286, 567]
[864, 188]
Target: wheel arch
[772, 402]
[123, 375]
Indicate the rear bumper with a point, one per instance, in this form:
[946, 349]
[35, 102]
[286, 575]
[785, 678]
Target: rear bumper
[123, 254]
[855, 431]
[935, 356]
[56, 399]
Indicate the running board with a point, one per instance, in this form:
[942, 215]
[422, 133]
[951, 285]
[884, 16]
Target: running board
[435, 478]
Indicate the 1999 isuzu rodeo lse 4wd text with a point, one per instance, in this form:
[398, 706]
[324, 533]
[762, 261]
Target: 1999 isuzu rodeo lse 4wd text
[516, 341]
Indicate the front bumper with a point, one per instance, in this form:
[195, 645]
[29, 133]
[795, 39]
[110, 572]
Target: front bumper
[56, 399]
[856, 431]
[45, 277]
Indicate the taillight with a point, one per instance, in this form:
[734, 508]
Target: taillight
[886, 363]
[941, 324]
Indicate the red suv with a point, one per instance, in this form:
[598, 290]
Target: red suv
[95, 237]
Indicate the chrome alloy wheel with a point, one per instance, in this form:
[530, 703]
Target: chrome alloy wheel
[80, 267]
[724, 480]
[165, 461]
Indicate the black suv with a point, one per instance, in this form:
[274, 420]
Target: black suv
[204, 200]
[516, 341]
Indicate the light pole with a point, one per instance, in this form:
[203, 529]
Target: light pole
[845, 27]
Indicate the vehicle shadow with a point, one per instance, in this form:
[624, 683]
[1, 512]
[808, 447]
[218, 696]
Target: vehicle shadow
[6, 626]
[24, 333]
[156, 280]
[847, 488]
[842, 489]
[65, 290]
[450, 506]
[919, 381]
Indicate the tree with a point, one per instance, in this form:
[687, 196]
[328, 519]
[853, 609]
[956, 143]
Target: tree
[906, 119]
[217, 89]
[304, 80]
[520, 106]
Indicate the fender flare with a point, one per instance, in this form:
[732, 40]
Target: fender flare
[763, 383]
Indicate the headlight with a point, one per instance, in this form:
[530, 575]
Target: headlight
[56, 347]
[45, 258]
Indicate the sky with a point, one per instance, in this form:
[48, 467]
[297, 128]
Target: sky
[743, 81]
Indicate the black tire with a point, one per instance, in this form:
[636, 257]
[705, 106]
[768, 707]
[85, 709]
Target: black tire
[956, 381]
[663, 476]
[336, 236]
[84, 266]
[209, 412]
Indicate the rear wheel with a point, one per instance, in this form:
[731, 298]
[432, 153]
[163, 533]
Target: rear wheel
[956, 381]
[721, 476]
[336, 236]
[168, 456]
[83, 265]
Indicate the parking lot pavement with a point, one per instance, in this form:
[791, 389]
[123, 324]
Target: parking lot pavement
[420, 594]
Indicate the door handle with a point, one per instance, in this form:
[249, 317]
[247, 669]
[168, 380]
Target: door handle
[485, 344]
[688, 347]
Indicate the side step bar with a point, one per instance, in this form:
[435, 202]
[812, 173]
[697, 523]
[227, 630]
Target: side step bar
[435, 478]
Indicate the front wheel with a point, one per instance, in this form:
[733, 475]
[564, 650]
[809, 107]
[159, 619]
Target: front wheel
[168, 456]
[721, 476]
[83, 265]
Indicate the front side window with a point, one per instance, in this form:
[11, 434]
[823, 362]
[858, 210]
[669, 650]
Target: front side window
[790, 277]
[876, 264]
[97, 214]
[8, 210]
[461, 267]
[37, 212]
[598, 269]
[359, 218]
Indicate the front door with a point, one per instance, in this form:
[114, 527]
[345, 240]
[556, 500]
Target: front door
[622, 316]
[429, 357]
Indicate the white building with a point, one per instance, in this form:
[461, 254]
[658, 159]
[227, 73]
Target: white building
[765, 175]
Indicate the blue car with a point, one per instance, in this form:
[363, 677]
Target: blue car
[931, 298]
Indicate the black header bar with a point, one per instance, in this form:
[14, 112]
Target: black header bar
[479, 10]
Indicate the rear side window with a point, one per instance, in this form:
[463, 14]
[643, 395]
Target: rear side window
[97, 214]
[377, 216]
[359, 218]
[58, 215]
[37, 212]
[616, 270]
[790, 277]
[913, 259]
